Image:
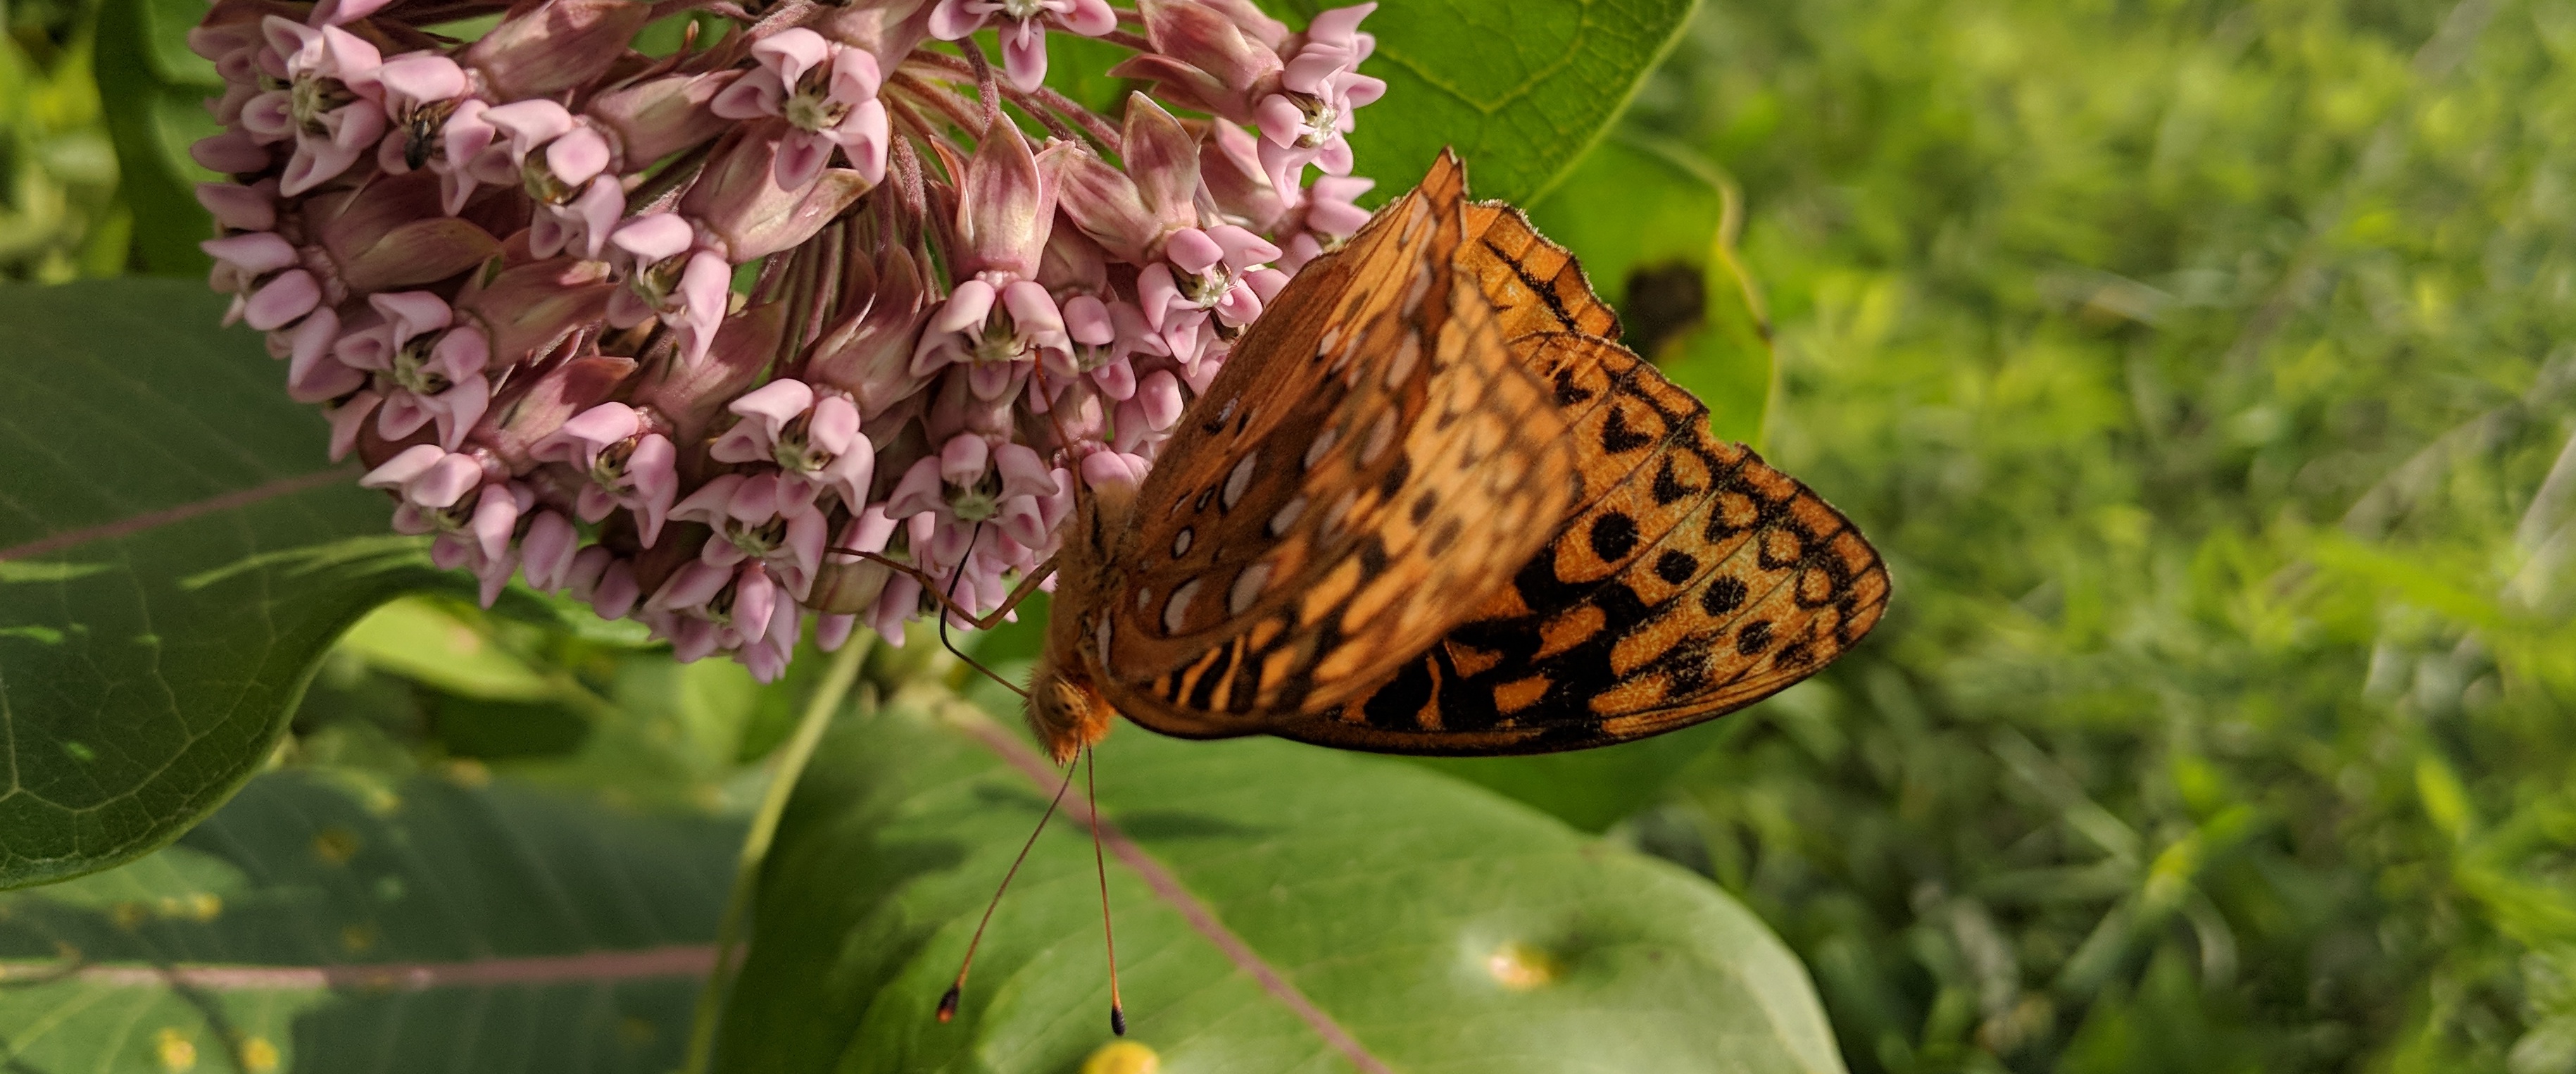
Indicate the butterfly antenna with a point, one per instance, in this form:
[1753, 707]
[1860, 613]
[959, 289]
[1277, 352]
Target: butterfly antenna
[957, 989]
[955, 576]
[1100, 862]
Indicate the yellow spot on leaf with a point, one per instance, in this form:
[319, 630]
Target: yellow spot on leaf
[468, 772]
[130, 915]
[1520, 967]
[175, 1051]
[258, 1056]
[357, 938]
[1122, 1057]
[335, 845]
[197, 906]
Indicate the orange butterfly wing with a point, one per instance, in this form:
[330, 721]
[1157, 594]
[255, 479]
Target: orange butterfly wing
[1371, 462]
[1691, 581]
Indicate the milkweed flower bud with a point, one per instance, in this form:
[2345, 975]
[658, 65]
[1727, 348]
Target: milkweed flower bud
[713, 338]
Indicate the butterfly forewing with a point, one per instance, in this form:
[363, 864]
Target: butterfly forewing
[1534, 284]
[1320, 526]
[1691, 580]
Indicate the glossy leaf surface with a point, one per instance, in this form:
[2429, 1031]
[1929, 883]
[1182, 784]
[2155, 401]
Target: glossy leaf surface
[330, 920]
[1278, 907]
[175, 554]
[1519, 89]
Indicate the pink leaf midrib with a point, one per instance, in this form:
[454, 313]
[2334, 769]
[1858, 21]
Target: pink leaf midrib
[126, 527]
[1168, 888]
[677, 960]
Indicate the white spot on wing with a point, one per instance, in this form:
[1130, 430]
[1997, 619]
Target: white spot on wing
[1181, 542]
[1176, 611]
[1407, 355]
[1381, 433]
[1100, 640]
[1238, 481]
[1287, 516]
[1247, 587]
[1322, 443]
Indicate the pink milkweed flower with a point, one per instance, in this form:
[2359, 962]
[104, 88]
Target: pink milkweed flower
[266, 278]
[549, 552]
[543, 48]
[763, 517]
[704, 608]
[467, 501]
[571, 181]
[998, 334]
[1208, 278]
[1327, 218]
[1305, 123]
[669, 274]
[869, 355]
[425, 367]
[313, 373]
[605, 579]
[850, 583]
[1023, 30]
[812, 436]
[238, 208]
[330, 106]
[826, 92]
[421, 91]
[972, 480]
[1206, 58]
[624, 462]
[999, 321]
[1107, 338]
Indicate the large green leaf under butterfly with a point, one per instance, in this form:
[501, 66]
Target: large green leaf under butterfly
[1278, 907]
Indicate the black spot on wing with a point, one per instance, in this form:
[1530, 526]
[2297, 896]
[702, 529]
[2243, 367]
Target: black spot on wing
[1203, 695]
[1613, 536]
[1617, 438]
[1397, 706]
[1722, 596]
[1755, 637]
[1396, 476]
[1675, 566]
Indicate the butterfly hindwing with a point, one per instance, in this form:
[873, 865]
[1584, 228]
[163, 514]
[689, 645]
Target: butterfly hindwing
[1692, 580]
[1323, 524]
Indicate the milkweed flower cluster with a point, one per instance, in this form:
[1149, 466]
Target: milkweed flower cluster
[684, 335]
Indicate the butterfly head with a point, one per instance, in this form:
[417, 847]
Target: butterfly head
[1065, 711]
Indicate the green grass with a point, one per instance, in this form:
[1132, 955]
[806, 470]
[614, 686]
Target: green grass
[2205, 373]
[2201, 369]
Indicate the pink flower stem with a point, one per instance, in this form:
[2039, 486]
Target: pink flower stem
[667, 8]
[668, 181]
[1039, 104]
[1092, 122]
[950, 104]
[1126, 40]
[985, 87]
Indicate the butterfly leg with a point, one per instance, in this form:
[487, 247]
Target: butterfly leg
[937, 590]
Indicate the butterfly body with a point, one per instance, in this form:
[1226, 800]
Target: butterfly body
[1429, 507]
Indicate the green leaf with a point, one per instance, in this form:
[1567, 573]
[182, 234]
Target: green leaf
[152, 89]
[1589, 789]
[325, 921]
[1662, 252]
[1519, 89]
[175, 555]
[1430, 923]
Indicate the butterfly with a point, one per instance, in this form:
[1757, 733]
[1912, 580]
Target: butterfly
[1430, 507]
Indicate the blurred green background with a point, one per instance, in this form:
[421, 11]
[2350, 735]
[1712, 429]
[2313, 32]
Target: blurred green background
[2203, 372]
